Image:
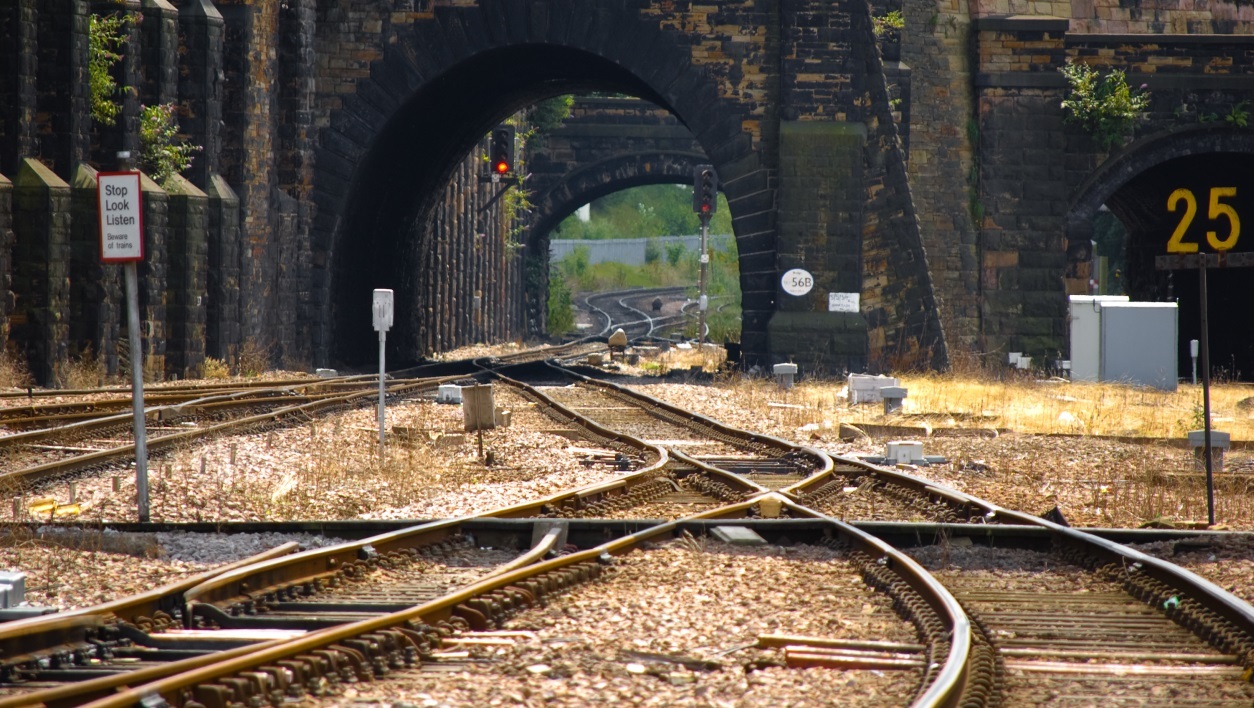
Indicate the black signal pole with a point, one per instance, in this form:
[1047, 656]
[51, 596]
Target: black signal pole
[1205, 337]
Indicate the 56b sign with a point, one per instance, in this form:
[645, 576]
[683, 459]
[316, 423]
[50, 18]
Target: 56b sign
[1222, 221]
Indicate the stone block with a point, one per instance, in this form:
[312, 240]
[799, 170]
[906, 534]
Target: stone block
[738, 536]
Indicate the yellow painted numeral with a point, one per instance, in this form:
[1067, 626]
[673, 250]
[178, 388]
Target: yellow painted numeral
[1177, 243]
[1218, 209]
[1214, 211]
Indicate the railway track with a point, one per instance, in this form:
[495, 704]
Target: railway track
[368, 609]
[68, 438]
[633, 311]
[361, 642]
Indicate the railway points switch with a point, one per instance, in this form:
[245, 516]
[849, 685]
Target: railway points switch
[449, 393]
[785, 375]
[864, 388]
[1219, 443]
[893, 398]
[12, 589]
[907, 452]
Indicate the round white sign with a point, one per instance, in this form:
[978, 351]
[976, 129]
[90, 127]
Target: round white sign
[797, 281]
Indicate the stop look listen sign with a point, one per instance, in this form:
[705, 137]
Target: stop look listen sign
[121, 217]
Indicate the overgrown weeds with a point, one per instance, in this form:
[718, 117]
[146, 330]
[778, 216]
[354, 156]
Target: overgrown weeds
[13, 371]
[254, 358]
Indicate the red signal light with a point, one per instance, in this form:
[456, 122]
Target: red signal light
[502, 151]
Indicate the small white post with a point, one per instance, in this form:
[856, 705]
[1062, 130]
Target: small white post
[1193, 349]
[382, 323]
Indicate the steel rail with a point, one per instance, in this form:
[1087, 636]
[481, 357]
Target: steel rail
[618, 296]
[1230, 608]
[820, 462]
[443, 608]
[166, 442]
[33, 638]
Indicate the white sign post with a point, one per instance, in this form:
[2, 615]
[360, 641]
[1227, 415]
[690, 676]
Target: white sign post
[122, 241]
[383, 300]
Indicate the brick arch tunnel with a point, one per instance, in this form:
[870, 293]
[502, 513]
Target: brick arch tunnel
[603, 178]
[393, 146]
[591, 182]
[1207, 170]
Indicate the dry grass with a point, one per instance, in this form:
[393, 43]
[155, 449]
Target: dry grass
[1038, 406]
[1094, 475]
[13, 371]
[253, 358]
[216, 369]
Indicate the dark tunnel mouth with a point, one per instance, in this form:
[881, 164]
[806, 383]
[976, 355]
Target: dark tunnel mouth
[1141, 205]
[389, 204]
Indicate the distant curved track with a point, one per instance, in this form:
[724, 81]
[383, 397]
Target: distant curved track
[632, 311]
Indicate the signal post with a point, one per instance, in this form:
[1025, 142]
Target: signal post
[120, 204]
[704, 203]
[1185, 253]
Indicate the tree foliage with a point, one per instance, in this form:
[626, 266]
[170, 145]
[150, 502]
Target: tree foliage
[643, 212]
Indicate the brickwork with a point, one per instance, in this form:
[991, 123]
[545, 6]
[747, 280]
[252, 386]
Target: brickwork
[187, 283]
[1196, 18]
[39, 323]
[97, 304]
[62, 117]
[248, 158]
[222, 325]
[604, 145]
[18, 80]
[107, 141]
[942, 157]
[6, 257]
[160, 53]
[154, 273]
[200, 41]
[899, 303]
[1036, 226]
[336, 137]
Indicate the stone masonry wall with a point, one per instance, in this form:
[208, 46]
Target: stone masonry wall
[936, 47]
[6, 257]
[39, 324]
[97, 303]
[1032, 162]
[18, 67]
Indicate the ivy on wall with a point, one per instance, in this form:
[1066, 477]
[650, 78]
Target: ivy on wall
[106, 36]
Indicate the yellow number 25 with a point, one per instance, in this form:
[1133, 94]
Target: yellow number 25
[1215, 210]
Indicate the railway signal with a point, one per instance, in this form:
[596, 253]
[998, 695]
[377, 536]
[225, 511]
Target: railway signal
[502, 154]
[704, 202]
[705, 191]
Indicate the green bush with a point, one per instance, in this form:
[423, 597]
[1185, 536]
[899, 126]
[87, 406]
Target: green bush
[1104, 105]
[162, 152]
[561, 306]
[652, 251]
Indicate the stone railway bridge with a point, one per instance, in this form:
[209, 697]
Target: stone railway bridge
[928, 170]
